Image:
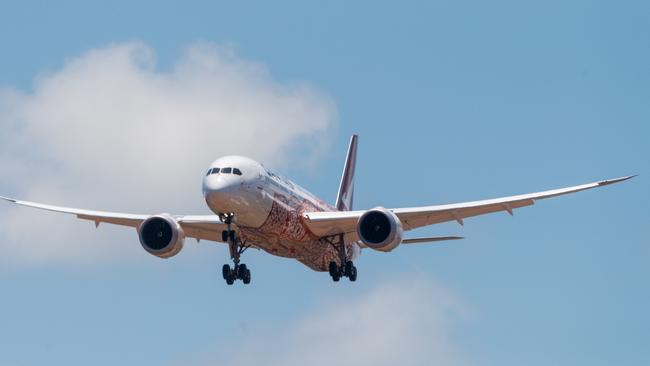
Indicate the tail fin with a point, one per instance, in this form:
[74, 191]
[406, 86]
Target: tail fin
[346, 188]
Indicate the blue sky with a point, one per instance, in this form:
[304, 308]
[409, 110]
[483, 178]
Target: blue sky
[453, 101]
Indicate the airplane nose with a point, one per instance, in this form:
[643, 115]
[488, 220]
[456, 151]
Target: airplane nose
[220, 183]
[218, 190]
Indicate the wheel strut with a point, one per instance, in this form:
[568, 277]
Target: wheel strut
[236, 248]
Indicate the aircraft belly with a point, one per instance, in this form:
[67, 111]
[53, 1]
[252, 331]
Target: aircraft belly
[314, 254]
[284, 234]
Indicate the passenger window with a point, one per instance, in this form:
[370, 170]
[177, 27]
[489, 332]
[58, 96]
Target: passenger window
[226, 170]
[215, 170]
[236, 171]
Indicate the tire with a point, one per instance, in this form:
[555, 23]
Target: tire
[348, 268]
[230, 280]
[224, 236]
[353, 275]
[225, 271]
[241, 271]
[233, 236]
[333, 269]
[247, 277]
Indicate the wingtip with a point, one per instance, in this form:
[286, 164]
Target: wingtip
[616, 180]
[8, 199]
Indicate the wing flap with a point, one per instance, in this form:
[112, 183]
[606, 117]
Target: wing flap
[112, 220]
[206, 227]
[418, 219]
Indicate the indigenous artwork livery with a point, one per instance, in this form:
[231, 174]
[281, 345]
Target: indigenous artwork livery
[256, 208]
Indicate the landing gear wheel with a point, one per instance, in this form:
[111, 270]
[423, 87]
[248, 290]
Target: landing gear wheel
[348, 268]
[247, 277]
[228, 274]
[241, 271]
[353, 274]
[333, 269]
[228, 236]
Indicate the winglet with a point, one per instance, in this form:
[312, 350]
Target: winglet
[346, 188]
[615, 180]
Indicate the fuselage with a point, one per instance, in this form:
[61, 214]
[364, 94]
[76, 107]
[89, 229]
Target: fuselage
[268, 210]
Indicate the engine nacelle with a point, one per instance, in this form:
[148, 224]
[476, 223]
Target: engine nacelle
[380, 229]
[161, 236]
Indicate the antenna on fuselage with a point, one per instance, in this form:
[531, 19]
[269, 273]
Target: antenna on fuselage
[346, 188]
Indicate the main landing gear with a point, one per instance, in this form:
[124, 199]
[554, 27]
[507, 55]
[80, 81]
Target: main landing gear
[347, 268]
[238, 271]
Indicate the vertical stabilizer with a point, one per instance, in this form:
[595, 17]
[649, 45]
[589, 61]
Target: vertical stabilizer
[346, 188]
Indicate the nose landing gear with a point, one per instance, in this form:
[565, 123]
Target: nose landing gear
[239, 271]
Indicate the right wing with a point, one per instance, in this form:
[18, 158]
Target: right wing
[344, 222]
[207, 227]
[421, 216]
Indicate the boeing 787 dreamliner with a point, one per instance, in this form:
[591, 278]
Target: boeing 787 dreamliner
[256, 208]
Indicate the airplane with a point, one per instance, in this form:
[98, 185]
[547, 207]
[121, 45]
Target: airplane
[256, 208]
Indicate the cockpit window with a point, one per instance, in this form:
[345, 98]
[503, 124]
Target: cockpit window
[209, 172]
[228, 170]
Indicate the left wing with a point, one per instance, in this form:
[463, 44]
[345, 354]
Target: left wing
[337, 222]
[207, 227]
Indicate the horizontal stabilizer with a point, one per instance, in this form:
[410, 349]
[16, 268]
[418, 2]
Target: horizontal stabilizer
[432, 239]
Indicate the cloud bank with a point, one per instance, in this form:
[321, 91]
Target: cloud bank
[405, 322]
[111, 130]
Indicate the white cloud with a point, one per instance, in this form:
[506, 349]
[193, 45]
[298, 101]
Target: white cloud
[405, 322]
[110, 130]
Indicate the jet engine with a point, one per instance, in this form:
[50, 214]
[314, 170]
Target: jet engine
[380, 229]
[161, 236]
